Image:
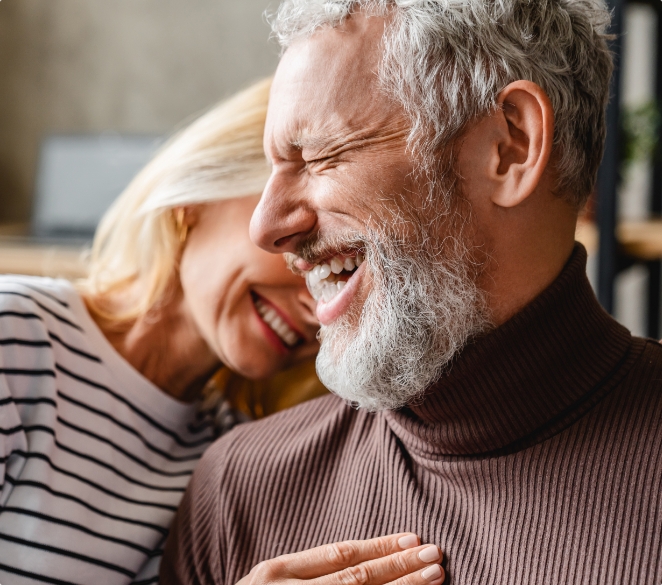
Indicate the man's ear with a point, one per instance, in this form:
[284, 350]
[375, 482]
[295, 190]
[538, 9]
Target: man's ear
[526, 119]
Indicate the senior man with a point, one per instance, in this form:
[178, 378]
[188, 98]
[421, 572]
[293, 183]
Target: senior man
[430, 158]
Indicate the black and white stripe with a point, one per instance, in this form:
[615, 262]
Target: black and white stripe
[93, 458]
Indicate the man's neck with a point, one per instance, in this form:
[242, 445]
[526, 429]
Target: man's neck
[524, 257]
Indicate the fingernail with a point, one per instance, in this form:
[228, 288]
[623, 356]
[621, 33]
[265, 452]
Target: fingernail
[431, 573]
[409, 541]
[429, 554]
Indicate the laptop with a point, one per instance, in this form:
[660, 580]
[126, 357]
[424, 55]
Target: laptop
[79, 177]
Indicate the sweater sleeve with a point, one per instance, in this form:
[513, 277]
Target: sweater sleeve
[194, 551]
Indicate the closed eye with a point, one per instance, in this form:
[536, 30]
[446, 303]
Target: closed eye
[323, 163]
[316, 161]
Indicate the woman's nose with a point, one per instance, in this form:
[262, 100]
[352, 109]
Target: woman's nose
[283, 217]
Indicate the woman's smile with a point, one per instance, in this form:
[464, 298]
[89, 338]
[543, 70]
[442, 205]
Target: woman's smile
[255, 314]
[278, 326]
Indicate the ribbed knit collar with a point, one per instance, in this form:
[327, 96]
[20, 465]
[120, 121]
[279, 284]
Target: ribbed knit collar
[524, 381]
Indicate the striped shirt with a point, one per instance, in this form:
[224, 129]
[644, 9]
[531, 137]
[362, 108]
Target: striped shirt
[94, 458]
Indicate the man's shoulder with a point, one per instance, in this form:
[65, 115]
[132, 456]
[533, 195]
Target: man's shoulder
[307, 424]
[306, 415]
[289, 439]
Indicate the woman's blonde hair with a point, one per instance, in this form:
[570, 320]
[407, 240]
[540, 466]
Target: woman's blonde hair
[219, 156]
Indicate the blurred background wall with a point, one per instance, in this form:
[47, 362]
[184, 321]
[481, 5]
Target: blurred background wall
[126, 66]
[638, 100]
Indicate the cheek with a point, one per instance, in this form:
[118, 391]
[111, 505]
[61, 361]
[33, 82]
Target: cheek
[242, 346]
[208, 288]
[371, 189]
[200, 277]
[265, 269]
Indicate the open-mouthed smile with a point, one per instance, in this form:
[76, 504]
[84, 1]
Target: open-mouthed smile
[333, 283]
[276, 322]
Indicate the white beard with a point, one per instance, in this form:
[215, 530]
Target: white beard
[420, 313]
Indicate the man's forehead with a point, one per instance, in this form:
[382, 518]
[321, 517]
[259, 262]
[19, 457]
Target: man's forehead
[329, 80]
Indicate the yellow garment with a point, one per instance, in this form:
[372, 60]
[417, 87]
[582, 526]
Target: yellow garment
[257, 399]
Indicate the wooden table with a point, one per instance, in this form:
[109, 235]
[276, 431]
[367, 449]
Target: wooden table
[20, 256]
[641, 239]
[587, 234]
[38, 260]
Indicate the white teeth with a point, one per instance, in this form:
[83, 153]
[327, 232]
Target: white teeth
[322, 281]
[326, 291]
[336, 266]
[276, 323]
[314, 275]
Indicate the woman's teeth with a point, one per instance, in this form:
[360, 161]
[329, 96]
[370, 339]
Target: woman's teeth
[276, 323]
[323, 282]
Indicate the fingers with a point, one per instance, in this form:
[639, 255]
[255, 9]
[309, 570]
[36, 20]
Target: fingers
[417, 566]
[432, 575]
[331, 558]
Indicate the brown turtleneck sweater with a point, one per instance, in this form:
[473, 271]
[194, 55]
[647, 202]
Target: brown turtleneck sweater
[536, 459]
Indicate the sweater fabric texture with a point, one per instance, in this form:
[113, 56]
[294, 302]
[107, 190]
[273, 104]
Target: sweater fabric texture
[94, 458]
[537, 458]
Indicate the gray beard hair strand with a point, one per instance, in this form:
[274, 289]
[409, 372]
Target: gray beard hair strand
[420, 313]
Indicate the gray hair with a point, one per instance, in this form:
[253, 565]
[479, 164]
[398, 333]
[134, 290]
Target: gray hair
[446, 61]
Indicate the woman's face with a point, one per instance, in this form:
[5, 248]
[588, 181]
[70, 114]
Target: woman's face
[255, 314]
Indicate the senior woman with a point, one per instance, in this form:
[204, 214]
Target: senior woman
[100, 422]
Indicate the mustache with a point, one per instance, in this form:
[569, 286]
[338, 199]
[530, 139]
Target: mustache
[318, 247]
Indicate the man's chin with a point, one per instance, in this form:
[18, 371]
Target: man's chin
[349, 367]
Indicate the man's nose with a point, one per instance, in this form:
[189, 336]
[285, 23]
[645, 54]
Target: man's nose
[282, 219]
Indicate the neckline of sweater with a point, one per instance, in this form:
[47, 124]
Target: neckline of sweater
[526, 380]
